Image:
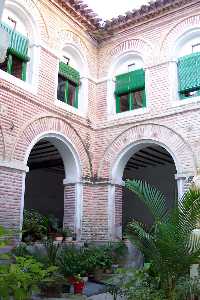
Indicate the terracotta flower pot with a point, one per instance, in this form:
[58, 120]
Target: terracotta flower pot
[78, 287]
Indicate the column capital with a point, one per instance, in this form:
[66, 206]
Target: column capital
[179, 176]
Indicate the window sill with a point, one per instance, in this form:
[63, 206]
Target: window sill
[130, 113]
[187, 101]
[17, 82]
[69, 108]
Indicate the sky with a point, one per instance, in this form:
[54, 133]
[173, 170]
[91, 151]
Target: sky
[107, 9]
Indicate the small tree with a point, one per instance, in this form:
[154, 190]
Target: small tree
[170, 243]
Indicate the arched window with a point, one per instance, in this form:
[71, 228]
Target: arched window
[23, 52]
[17, 53]
[72, 87]
[127, 84]
[187, 52]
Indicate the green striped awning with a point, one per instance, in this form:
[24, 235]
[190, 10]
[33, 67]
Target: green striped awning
[189, 72]
[18, 43]
[69, 72]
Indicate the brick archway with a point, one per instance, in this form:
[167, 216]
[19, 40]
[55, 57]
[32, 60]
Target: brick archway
[179, 149]
[142, 47]
[75, 158]
[46, 124]
[176, 32]
[123, 147]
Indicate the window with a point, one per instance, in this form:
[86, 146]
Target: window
[130, 91]
[189, 75]
[17, 58]
[68, 84]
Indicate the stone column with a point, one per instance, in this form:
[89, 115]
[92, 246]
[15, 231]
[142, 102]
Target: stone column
[115, 197]
[73, 206]
[180, 179]
[95, 210]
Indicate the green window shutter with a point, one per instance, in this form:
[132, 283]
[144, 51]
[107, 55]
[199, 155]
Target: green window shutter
[66, 90]
[9, 64]
[137, 80]
[69, 72]
[198, 69]
[122, 84]
[188, 71]
[131, 101]
[24, 66]
[143, 98]
[129, 82]
[18, 43]
[76, 97]
[117, 104]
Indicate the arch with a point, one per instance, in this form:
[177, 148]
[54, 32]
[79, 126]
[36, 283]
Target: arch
[137, 46]
[68, 153]
[185, 26]
[31, 16]
[52, 126]
[33, 22]
[79, 61]
[123, 58]
[68, 39]
[131, 139]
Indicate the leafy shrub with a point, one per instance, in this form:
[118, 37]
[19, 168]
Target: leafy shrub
[22, 278]
[35, 225]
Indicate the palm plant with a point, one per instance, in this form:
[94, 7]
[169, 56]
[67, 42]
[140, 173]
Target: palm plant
[169, 243]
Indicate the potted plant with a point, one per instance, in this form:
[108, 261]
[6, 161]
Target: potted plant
[67, 234]
[52, 286]
[78, 284]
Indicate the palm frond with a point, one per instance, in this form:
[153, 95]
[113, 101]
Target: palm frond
[194, 242]
[153, 199]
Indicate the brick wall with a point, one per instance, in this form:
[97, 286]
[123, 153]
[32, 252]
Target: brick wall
[69, 206]
[97, 137]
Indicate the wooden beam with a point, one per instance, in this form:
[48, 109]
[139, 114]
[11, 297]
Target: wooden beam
[45, 164]
[150, 159]
[155, 156]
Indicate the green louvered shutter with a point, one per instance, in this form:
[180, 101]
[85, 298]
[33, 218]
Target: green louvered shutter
[76, 98]
[69, 72]
[198, 70]
[188, 72]
[137, 80]
[122, 85]
[129, 82]
[18, 44]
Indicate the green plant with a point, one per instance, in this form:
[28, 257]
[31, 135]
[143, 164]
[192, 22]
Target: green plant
[20, 250]
[35, 225]
[170, 243]
[66, 232]
[53, 223]
[71, 261]
[52, 251]
[20, 279]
